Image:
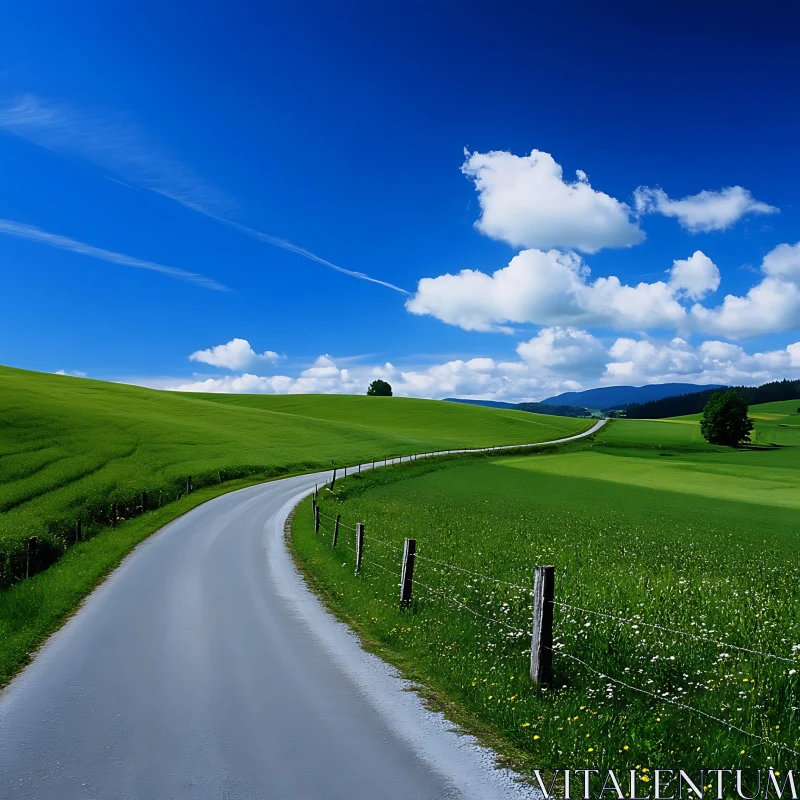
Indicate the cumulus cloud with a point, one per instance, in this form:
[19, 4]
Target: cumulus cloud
[704, 211]
[771, 306]
[695, 276]
[712, 361]
[526, 202]
[555, 360]
[236, 355]
[555, 289]
[547, 288]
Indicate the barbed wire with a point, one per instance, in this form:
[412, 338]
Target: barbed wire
[718, 642]
[678, 703]
[440, 593]
[481, 575]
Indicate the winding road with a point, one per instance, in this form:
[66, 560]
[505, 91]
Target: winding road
[204, 668]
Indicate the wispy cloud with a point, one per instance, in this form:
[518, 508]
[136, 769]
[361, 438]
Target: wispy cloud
[22, 231]
[119, 148]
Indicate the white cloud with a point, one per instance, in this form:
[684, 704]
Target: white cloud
[22, 231]
[712, 361]
[555, 360]
[695, 276]
[236, 355]
[554, 289]
[705, 211]
[526, 202]
[563, 350]
[545, 288]
[771, 306]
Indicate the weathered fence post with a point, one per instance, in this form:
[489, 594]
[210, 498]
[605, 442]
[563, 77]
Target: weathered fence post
[160, 499]
[219, 473]
[144, 502]
[542, 637]
[333, 481]
[345, 472]
[78, 531]
[113, 515]
[316, 519]
[189, 485]
[336, 530]
[30, 564]
[407, 575]
[359, 545]
[359, 469]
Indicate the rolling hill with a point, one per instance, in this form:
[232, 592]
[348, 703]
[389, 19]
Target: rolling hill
[71, 447]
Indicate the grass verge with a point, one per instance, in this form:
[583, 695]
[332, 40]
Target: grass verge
[720, 569]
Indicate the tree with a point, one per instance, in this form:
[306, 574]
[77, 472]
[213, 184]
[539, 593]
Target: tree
[379, 388]
[725, 419]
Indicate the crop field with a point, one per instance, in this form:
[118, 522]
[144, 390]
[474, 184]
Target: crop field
[647, 525]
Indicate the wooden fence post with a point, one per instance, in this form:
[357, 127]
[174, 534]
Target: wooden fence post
[333, 482]
[359, 545]
[78, 531]
[542, 637]
[407, 575]
[219, 474]
[316, 519]
[359, 469]
[189, 485]
[113, 515]
[30, 564]
[144, 502]
[336, 530]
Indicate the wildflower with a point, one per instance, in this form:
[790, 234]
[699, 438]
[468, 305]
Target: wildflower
[591, 749]
[625, 747]
[526, 724]
[536, 736]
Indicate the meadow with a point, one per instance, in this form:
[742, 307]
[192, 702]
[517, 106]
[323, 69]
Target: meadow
[70, 448]
[647, 525]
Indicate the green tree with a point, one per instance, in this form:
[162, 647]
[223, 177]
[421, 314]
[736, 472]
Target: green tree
[725, 419]
[379, 388]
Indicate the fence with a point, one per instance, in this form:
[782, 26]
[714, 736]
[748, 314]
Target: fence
[411, 562]
[34, 554]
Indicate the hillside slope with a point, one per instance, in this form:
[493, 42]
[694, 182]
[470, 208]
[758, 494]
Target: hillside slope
[71, 447]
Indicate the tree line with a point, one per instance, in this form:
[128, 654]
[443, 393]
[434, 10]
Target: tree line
[695, 402]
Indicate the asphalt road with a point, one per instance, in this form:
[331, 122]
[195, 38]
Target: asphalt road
[204, 668]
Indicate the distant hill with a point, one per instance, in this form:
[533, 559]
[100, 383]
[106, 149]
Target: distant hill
[533, 408]
[618, 396]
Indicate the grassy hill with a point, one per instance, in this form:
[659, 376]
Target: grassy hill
[69, 447]
[648, 525]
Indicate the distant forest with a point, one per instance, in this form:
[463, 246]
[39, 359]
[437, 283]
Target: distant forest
[555, 411]
[693, 403]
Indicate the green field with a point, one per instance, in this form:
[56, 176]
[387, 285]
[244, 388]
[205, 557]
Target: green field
[69, 448]
[648, 523]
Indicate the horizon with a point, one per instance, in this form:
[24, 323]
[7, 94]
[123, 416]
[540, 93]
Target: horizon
[296, 200]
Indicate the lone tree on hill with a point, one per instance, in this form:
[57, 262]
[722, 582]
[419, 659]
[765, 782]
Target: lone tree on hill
[379, 388]
[725, 419]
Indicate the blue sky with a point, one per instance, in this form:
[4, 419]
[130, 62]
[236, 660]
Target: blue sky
[155, 157]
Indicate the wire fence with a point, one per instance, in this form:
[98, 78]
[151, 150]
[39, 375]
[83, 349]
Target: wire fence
[528, 601]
